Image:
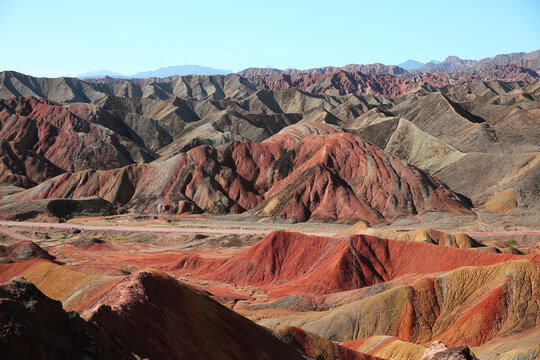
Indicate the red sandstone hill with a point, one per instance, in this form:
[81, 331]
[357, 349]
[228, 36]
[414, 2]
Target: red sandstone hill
[415, 292]
[472, 305]
[334, 176]
[321, 265]
[40, 139]
[349, 81]
[339, 82]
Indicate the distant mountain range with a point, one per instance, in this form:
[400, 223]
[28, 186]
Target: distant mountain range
[410, 65]
[376, 68]
[182, 70]
[454, 64]
[451, 65]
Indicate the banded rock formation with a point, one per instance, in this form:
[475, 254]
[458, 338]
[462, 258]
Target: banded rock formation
[335, 176]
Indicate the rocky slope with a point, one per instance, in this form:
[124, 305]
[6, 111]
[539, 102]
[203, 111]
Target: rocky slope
[375, 79]
[23, 250]
[150, 301]
[330, 265]
[145, 315]
[41, 139]
[292, 175]
[465, 132]
[458, 133]
[76, 90]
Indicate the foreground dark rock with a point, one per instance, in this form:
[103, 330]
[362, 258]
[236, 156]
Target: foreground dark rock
[33, 326]
[56, 208]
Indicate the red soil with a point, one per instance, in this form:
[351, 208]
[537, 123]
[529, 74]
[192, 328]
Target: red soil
[7, 271]
[324, 265]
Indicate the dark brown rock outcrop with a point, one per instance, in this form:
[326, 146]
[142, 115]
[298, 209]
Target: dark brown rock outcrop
[33, 326]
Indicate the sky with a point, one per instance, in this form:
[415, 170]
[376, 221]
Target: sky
[67, 37]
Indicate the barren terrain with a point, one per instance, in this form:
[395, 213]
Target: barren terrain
[362, 212]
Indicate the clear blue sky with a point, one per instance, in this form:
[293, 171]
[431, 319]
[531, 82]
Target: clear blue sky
[54, 38]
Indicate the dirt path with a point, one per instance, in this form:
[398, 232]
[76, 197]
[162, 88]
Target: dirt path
[147, 229]
[209, 230]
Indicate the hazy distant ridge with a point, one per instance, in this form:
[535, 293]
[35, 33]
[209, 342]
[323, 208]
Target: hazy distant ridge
[410, 64]
[181, 70]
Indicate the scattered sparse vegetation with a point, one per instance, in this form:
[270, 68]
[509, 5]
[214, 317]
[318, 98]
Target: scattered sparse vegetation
[120, 238]
[512, 242]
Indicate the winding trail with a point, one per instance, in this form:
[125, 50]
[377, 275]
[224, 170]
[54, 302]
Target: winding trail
[210, 230]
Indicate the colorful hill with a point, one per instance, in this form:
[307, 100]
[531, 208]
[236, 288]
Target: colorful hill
[41, 139]
[178, 321]
[385, 298]
[321, 265]
[336, 176]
